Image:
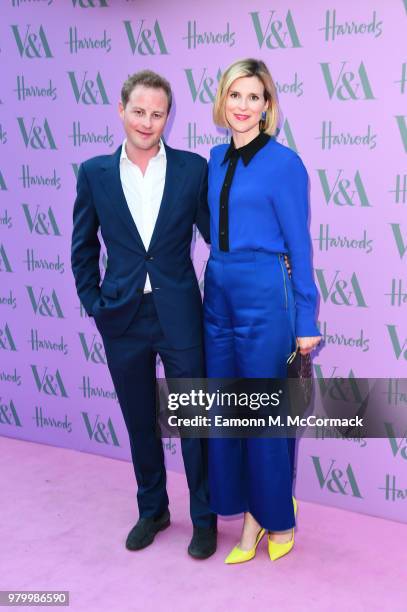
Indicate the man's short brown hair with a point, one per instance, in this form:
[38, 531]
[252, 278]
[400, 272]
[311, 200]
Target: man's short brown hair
[147, 78]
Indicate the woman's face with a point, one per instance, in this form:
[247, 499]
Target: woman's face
[244, 105]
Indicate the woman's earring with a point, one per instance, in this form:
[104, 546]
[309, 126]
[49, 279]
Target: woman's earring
[263, 116]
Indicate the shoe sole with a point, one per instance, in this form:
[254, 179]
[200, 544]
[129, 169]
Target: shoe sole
[201, 557]
[151, 540]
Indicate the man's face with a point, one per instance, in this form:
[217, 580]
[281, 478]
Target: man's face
[144, 117]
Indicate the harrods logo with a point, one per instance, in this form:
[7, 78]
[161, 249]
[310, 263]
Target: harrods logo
[78, 43]
[91, 391]
[147, 41]
[32, 44]
[4, 260]
[329, 337]
[275, 33]
[347, 85]
[399, 346]
[29, 180]
[27, 91]
[196, 139]
[331, 138]
[80, 138]
[39, 343]
[335, 29]
[336, 480]
[50, 384]
[326, 240]
[99, 431]
[398, 293]
[37, 136]
[400, 243]
[398, 445]
[93, 350]
[88, 91]
[41, 223]
[339, 290]
[402, 125]
[45, 305]
[343, 191]
[38, 264]
[196, 37]
[42, 421]
[6, 339]
[8, 414]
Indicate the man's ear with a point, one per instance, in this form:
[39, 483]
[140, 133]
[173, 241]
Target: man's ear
[121, 109]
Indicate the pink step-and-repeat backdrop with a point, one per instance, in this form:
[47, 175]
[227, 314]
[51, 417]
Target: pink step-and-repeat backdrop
[341, 73]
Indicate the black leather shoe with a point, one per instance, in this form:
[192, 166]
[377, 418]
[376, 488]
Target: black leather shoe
[203, 543]
[145, 530]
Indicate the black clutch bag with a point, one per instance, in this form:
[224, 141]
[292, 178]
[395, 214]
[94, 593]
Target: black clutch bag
[299, 368]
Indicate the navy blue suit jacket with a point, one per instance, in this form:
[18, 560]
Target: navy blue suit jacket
[100, 202]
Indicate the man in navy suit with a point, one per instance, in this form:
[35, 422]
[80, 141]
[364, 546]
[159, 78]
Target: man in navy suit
[146, 198]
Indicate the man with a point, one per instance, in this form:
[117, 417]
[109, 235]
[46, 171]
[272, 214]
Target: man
[146, 198]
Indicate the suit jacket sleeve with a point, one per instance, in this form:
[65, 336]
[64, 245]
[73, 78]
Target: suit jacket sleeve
[202, 211]
[291, 206]
[85, 249]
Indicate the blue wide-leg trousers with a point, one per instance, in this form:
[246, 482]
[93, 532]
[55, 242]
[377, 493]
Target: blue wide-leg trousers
[249, 332]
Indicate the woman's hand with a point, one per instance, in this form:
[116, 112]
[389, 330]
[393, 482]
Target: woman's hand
[307, 344]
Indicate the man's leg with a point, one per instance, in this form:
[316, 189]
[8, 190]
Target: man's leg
[189, 363]
[131, 362]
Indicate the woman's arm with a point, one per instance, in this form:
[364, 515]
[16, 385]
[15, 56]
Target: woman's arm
[291, 207]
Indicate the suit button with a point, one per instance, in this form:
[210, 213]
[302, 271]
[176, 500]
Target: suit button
[149, 258]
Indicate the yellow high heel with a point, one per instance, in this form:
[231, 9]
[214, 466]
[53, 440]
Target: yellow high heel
[237, 555]
[276, 549]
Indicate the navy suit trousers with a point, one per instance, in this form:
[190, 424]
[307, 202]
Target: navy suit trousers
[131, 359]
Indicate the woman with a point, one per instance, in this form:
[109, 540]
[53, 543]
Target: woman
[254, 312]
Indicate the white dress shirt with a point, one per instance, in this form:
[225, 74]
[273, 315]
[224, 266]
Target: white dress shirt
[144, 193]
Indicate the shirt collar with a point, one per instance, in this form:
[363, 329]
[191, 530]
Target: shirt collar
[248, 151]
[161, 152]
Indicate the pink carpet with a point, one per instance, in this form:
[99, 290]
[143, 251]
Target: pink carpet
[65, 516]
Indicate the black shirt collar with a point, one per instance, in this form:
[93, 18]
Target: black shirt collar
[248, 151]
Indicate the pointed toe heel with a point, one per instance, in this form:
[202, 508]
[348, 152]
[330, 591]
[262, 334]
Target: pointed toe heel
[278, 550]
[237, 555]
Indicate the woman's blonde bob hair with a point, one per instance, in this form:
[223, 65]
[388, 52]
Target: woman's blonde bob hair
[248, 68]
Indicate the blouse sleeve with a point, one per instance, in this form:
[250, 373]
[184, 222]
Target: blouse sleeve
[291, 207]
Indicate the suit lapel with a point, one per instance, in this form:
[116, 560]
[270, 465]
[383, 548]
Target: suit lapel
[173, 186]
[112, 185]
